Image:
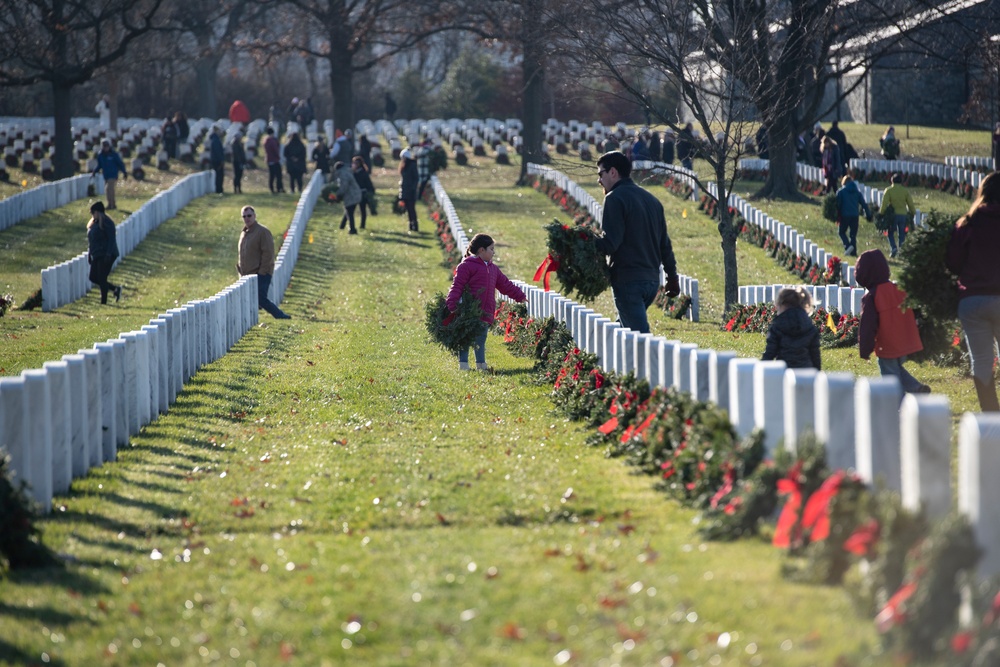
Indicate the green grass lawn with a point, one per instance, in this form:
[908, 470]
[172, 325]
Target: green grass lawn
[335, 490]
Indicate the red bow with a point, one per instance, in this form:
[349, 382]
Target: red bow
[548, 265]
[449, 318]
[790, 514]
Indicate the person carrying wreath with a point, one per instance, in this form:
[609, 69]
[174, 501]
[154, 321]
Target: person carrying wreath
[102, 251]
[899, 199]
[482, 278]
[636, 241]
[972, 256]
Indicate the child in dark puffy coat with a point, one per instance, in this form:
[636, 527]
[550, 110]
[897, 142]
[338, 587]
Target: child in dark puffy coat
[887, 327]
[793, 338]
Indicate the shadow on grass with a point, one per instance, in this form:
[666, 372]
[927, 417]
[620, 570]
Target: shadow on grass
[11, 655]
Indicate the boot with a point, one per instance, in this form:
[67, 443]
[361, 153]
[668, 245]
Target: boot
[987, 393]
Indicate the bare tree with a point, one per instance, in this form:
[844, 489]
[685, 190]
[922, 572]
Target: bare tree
[63, 43]
[214, 26]
[353, 36]
[646, 48]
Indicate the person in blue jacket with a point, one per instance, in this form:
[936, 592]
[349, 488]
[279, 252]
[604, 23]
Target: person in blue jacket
[217, 157]
[849, 199]
[110, 164]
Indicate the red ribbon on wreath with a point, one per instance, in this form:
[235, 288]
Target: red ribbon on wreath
[548, 265]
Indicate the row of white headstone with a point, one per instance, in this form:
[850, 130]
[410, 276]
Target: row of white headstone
[59, 421]
[67, 281]
[808, 172]
[867, 424]
[29, 203]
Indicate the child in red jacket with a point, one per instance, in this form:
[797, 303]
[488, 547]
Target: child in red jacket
[478, 272]
[887, 327]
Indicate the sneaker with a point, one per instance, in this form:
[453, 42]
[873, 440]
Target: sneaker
[850, 250]
[922, 389]
[353, 231]
[118, 294]
[283, 316]
[464, 366]
[893, 252]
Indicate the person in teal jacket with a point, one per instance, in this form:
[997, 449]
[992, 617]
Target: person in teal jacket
[110, 164]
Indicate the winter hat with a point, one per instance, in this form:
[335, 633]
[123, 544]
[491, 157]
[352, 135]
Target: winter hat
[406, 154]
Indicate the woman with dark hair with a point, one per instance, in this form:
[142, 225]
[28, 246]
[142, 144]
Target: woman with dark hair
[972, 256]
[408, 179]
[102, 251]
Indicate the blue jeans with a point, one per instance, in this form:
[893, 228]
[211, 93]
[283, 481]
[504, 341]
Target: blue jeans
[848, 224]
[980, 316]
[898, 224]
[895, 367]
[631, 300]
[479, 347]
[263, 285]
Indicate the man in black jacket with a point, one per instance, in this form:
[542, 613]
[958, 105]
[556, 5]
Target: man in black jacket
[635, 238]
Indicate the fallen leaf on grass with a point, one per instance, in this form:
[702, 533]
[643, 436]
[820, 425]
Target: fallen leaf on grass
[626, 529]
[239, 502]
[287, 651]
[244, 514]
[553, 552]
[442, 520]
[611, 603]
[625, 632]
[512, 631]
[581, 564]
[134, 609]
[649, 555]
[310, 363]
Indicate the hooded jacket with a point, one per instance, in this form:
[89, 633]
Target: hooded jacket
[887, 327]
[849, 199]
[972, 254]
[483, 280]
[347, 186]
[794, 339]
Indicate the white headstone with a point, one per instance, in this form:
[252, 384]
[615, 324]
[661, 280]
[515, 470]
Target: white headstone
[925, 453]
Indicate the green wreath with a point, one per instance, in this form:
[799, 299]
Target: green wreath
[580, 267]
[454, 333]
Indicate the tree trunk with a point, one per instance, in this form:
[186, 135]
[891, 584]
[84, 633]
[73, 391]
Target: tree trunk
[727, 232]
[341, 85]
[63, 161]
[533, 103]
[205, 69]
[781, 181]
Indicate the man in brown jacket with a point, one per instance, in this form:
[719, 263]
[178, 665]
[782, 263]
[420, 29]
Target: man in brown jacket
[257, 257]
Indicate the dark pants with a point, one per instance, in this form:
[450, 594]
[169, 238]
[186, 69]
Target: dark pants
[897, 224]
[274, 181]
[411, 213]
[294, 178]
[631, 300]
[220, 175]
[100, 269]
[237, 179]
[349, 216]
[849, 232]
[363, 207]
[263, 285]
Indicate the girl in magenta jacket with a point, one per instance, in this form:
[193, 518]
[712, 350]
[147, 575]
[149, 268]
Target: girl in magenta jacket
[480, 275]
